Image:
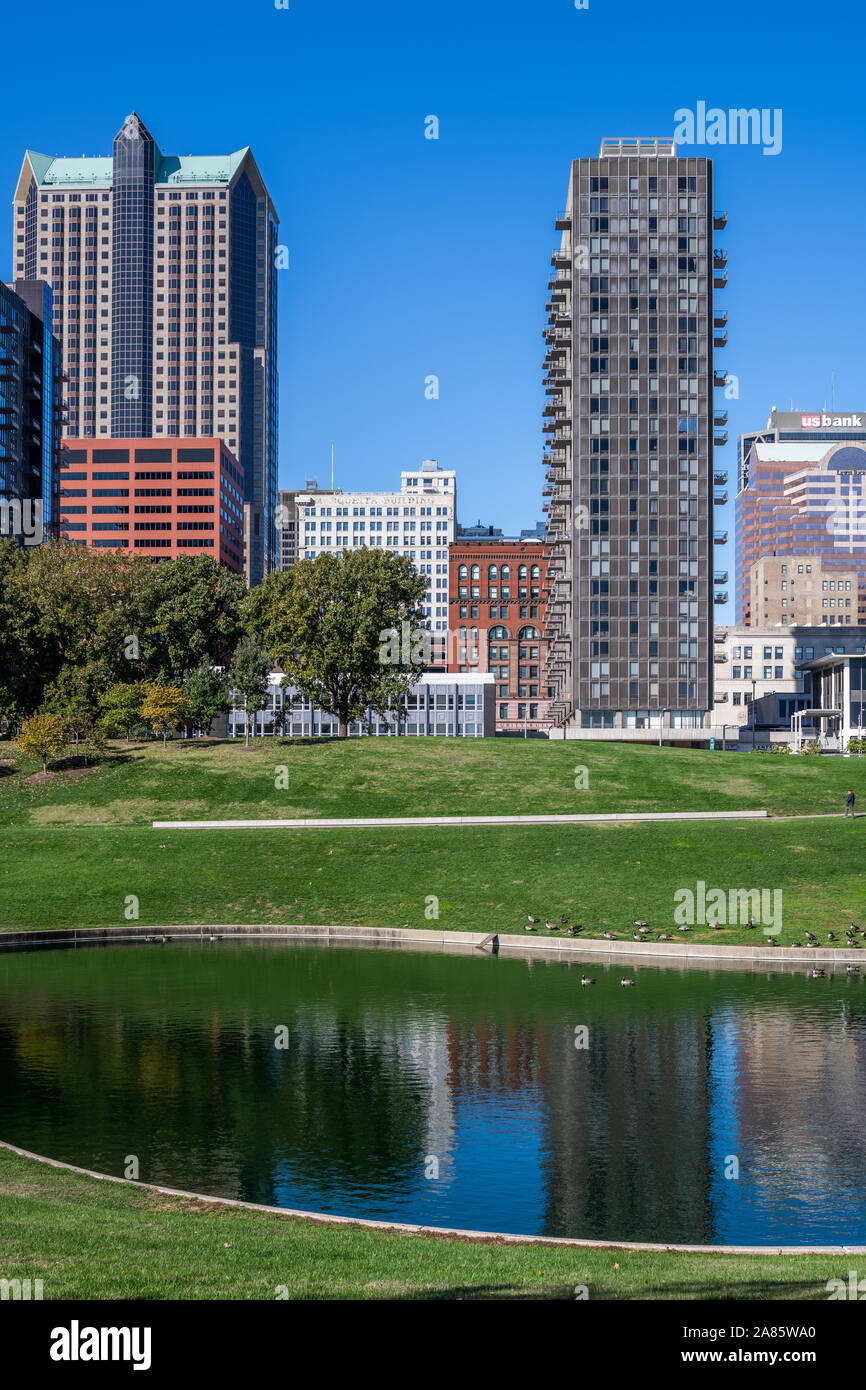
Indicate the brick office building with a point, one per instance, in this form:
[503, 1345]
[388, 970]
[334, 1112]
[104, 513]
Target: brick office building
[155, 497]
[496, 604]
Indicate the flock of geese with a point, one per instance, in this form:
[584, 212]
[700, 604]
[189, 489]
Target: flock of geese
[642, 933]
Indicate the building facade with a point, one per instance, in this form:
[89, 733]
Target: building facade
[497, 616]
[754, 664]
[287, 518]
[157, 498]
[798, 497]
[418, 521]
[796, 589]
[438, 705]
[163, 272]
[31, 405]
[632, 430]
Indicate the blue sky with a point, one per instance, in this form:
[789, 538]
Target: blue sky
[411, 257]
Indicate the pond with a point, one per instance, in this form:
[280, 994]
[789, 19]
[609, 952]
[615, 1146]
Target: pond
[708, 1106]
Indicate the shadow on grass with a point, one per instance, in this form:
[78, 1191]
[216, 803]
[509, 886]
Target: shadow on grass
[715, 1287]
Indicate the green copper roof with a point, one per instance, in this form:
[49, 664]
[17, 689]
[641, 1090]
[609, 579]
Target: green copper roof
[171, 169]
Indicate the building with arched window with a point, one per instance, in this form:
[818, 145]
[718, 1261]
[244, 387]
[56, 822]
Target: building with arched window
[496, 616]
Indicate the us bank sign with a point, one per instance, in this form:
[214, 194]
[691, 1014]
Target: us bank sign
[835, 422]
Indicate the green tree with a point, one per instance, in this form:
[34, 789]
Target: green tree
[164, 707]
[325, 620]
[196, 614]
[41, 736]
[121, 706]
[207, 693]
[248, 677]
[71, 698]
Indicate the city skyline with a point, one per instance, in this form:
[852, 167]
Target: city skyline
[419, 285]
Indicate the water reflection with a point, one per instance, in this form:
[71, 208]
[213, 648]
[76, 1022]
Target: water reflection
[449, 1090]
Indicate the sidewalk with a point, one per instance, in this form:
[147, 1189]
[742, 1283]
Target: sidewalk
[351, 823]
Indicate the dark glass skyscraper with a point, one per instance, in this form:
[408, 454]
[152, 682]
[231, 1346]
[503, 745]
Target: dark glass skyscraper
[163, 269]
[30, 412]
[630, 418]
[132, 280]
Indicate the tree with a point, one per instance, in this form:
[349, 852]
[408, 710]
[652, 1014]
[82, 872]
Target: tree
[41, 736]
[248, 677]
[196, 614]
[70, 697]
[164, 707]
[207, 693]
[121, 706]
[323, 620]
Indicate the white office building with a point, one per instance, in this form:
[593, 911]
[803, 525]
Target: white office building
[419, 521]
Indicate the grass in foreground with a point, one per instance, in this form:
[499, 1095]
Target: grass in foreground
[90, 1239]
[485, 878]
[392, 777]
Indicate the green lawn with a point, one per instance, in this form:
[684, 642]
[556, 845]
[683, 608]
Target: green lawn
[393, 777]
[78, 846]
[89, 1239]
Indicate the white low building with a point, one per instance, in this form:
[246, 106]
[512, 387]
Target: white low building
[440, 704]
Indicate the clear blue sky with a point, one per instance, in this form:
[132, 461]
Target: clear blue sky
[411, 256]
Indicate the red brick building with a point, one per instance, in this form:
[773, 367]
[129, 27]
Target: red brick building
[496, 611]
[155, 497]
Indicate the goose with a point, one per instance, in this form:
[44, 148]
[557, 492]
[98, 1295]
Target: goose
[771, 941]
[831, 936]
[527, 926]
[664, 937]
[817, 974]
[574, 931]
[750, 925]
[584, 980]
[683, 928]
[609, 936]
[795, 943]
[530, 918]
[639, 922]
[628, 982]
[214, 938]
[552, 926]
[810, 936]
[716, 926]
[644, 930]
[150, 938]
[852, 970]
[563, 919]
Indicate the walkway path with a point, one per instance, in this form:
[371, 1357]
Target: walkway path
[353, 823]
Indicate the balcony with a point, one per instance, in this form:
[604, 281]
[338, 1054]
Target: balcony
[720, 596]
[563, 221]
[720, 279]
[720, 338]
[720, 577]
[720, 498]
[720, 318]
[720, 538]
[720, 477]
[720, 259]
[720, 221]
[719, 636]
[561, 257]
[720, 417]
[720, 657]
[720, 378]
[720, 439]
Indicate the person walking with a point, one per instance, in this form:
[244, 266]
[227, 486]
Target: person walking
[849, 804]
